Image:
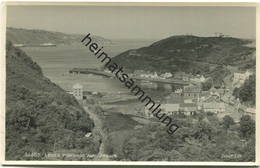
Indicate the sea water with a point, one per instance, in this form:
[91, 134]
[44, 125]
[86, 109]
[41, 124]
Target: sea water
[57, 61]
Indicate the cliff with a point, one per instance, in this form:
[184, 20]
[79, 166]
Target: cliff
[40, 116]
[209, 56]
[34, 37]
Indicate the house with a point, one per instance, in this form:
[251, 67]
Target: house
[204, 95]
[177, 92]
[174, 98]
[250, 112]
[172, 103]
[77, 91]
[150, 75]
[192, 92]
[89, 134]
[202, 78]
[188, 108]
[213, 107]
[212, 98]
[217, 92]
[166, 75]
[188, 101]
[170, 109]
[239, 78]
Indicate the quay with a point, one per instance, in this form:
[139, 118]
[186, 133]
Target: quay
[90, 71]
[107, 74]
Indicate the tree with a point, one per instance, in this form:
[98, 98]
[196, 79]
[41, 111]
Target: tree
[246, 93]
[247, 126]
[227, 122]
[207, 85]
[249, 150]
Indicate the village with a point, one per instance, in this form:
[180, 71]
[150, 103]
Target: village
[188, 100]
[192, 99]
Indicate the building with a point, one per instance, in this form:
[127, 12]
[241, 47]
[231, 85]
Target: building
[192, 92]
[250, 112]
[188, 101]
[177, 92]
[166, 75]
[188, 108]
[172, 103]
[149, 75]
[174, 98]
[77, 91]
[213, 107]
[239, 78]
[204, 95]
[217, 92]
[170, 109]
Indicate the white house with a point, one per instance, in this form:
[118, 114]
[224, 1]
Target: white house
[78, 91]
[170, 109]
[214, 107]
[250, 112]
[239, 78]
[166, 75]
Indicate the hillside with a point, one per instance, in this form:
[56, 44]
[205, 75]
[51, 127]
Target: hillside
[40, 116]
[191, 54]
[33, 36]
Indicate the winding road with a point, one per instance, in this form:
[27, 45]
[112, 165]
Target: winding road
[98, 129]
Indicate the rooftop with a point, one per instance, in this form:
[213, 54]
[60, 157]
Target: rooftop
[192, 89]
[213, 105]
[77, 86]
[188, 105]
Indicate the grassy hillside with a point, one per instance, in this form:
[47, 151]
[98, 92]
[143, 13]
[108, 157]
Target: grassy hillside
[40, 116]
[191, 54]
[33, 36]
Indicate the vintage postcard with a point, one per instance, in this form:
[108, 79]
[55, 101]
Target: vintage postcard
[133, 83]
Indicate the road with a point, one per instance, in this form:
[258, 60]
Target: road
[98, 129]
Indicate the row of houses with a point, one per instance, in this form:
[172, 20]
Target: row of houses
[178, 75]
[238, 77]
[36, 45]
[195, 93]
[189, 109]
[191, 99]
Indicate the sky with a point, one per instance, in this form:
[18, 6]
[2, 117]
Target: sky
[136, 22]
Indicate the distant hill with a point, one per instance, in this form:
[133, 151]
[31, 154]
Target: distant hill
[40, 116]
[33, 36]
[209, 56]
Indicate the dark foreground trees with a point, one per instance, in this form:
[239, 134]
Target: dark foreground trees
[206, 139]
[246, 93]
[41, 118]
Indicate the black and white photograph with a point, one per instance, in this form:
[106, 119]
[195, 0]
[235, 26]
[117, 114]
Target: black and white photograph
[130, 83]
